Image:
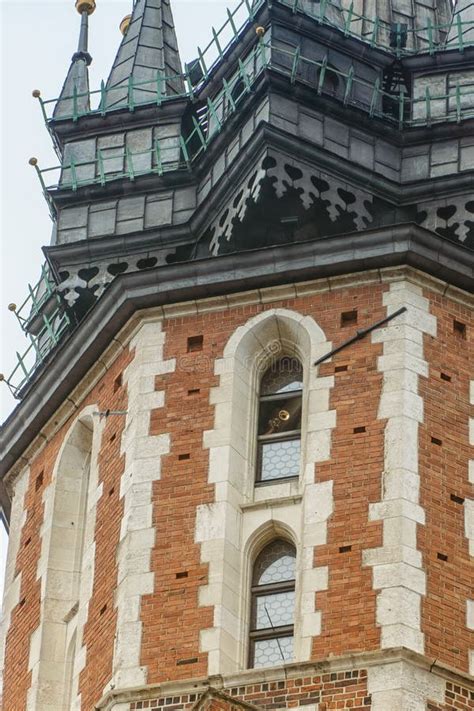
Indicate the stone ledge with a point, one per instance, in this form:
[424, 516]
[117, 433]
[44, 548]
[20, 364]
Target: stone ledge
[360, 660]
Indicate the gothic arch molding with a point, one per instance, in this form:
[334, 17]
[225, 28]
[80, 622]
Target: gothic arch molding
[66, 566]
[242, 514]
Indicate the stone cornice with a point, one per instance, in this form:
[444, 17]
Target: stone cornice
[402, 245]
[358, 660]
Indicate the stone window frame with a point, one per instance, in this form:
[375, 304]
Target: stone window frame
[67, 574]
[228, 529]
[276, 338]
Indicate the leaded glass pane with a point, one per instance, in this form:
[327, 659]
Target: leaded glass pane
[275, 564]
[279, 459]
[284, 376]
[274, 610]
[271, 652]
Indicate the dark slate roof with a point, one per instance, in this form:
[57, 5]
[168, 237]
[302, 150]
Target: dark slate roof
[332, 11]
[148, 46]
[78, 77]
[464, 11]
[415, 14]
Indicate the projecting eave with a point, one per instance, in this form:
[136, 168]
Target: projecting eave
[399, 245]
[443, 61]
[120, 119]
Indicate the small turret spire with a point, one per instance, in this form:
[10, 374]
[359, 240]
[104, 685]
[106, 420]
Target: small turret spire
[149, 50]
[74, 98]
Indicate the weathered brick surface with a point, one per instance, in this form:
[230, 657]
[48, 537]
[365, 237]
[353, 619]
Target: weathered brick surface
[444, 472]
[171, 617]
[172, 635]
[100, 630]
[457, 698]
[340, 690]
[26, 616]
[356, 465]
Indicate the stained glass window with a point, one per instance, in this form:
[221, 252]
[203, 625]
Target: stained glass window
[273, 605]
[279, 421]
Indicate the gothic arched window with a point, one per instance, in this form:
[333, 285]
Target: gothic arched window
[279, 421]
[273, 605]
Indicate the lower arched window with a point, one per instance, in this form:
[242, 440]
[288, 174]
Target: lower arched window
[273, 605]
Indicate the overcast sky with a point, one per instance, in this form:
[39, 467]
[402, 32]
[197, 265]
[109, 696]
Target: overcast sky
[37, 41]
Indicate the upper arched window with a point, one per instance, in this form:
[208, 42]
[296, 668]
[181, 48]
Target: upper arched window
[279, 421]
[273, 605]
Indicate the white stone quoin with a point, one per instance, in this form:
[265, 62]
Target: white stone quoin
[398, 572]
[11, 595]
[143, 454]
[401, 686]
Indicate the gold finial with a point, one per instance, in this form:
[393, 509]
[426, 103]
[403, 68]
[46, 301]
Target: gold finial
[85, 6]
[33, 161]
[260, 31]
[36, 93]
[12, 307]
[125, 24]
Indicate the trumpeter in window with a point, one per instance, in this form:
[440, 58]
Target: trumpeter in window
[279, 421]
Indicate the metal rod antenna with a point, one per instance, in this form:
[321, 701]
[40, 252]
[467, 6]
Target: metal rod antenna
[273, 628]
[361, 334]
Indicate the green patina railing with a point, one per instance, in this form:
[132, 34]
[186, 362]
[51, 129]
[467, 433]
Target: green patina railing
[49, 327]
[180, 151]
[376, 33]
[207, 58]
[37, 297]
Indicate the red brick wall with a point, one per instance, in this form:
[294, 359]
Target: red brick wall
[99, 631]
[457, 698]
[444, 472]
[99, 634]
[26, 615]
[171, 617]
[356, 465]
[341, 690]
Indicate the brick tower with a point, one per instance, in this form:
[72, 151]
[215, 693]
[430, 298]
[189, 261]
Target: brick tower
[239, 474]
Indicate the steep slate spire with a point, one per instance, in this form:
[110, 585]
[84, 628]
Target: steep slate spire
[77, 79]
[149, 48]
[463, 12]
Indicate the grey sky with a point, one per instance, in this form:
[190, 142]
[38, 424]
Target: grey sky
[37, 41]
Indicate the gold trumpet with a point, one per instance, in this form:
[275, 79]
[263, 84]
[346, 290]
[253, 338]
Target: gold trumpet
[276, 422]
